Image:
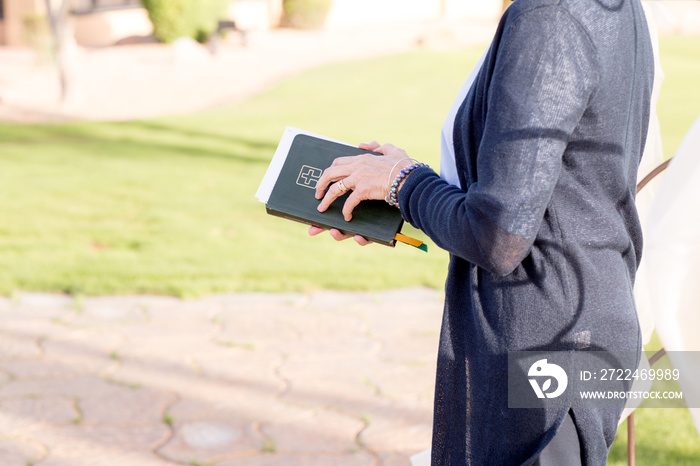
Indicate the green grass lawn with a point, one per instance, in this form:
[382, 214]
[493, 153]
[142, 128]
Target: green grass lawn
[166, 205]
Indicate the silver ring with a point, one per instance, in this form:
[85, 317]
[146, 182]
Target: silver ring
[342, 187]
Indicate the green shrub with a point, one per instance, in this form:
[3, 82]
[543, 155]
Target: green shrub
[172, 19]
[205, 15]
[305, 14]
[168, 18]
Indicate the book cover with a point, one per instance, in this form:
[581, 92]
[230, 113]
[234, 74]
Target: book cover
[293, 191]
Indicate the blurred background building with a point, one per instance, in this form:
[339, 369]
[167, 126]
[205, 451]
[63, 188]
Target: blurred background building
[105, 22]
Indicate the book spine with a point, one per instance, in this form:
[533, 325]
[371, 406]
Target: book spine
[287, 216]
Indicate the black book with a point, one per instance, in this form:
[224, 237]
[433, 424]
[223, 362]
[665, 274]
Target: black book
[288, 190]
[293, 194]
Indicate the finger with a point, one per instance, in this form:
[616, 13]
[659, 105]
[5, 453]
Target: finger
[385, 148]
[338, 235]
[314, 230]
[333, 193]
[339, 169]
[347, 160]
[350, 203]
[330, 175]
[361, 240]
[374, 145]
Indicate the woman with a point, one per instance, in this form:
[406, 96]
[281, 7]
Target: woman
[542, 228]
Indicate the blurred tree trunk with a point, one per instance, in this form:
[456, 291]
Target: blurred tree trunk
[57, 12]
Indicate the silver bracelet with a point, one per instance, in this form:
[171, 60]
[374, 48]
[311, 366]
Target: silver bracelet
[393, 197]
[388, 178]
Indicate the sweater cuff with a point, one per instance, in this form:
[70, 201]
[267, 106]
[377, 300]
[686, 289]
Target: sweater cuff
[409, 185]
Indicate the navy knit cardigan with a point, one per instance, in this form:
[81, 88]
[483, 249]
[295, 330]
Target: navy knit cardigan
[543, 233]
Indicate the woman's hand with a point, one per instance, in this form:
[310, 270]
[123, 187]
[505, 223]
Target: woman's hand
[339, 236]
[367, 176]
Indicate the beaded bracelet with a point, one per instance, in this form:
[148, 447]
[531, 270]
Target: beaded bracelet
[393, 197]
[388, 177]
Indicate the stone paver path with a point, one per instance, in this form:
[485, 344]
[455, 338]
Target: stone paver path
[328, 378]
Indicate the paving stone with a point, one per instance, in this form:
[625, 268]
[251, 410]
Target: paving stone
[386, 305]
[329, 336]
[15, 452]
[37, 306]
[207, 431]
[189, 386]
[148, 302]
[203, 441]
[418, 294]
[172, 377]
[37, 369]
[333, 301]
[243, 367]
[355, 381]
[240, 409]
[48, 301]
[279, 459]
[207, 436]
[13, 347]
[43, 300]
[409, 348]
[331, 324]
[153, 345]
[180, 313]
[401, 381]
[84, 442]
[261, 327]
[6, 304]
[324, 431]
[392, 458]
[85, 351]
[416, 318]
[35, 327]
[22, 415]
[251, 302]
[125, 405]
[110, 310]
[328, 382]
[391, 431]
[143, 458]
[71, 387]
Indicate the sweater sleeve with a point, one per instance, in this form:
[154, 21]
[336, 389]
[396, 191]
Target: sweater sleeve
[544, 75]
